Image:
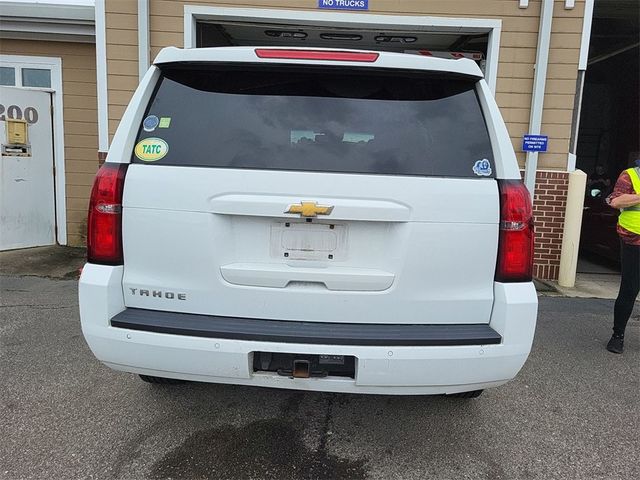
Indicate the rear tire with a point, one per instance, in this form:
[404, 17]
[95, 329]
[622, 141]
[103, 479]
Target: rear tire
[471, 394]
[160, 380]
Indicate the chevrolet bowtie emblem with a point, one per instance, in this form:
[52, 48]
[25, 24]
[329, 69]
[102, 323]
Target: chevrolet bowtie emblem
[309, 209]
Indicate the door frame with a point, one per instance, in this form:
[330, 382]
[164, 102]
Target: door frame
[54, 64]
[491, 26]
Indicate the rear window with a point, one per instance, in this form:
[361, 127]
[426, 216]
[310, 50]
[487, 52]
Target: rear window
[368, 121]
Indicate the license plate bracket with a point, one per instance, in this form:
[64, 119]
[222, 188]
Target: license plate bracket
[301, 240]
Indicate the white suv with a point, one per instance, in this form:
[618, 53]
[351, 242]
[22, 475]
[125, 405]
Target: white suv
[345, 221]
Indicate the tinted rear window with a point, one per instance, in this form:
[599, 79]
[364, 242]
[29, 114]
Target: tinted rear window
[331, 120]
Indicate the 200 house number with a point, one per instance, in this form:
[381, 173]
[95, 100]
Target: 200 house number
[14, 112]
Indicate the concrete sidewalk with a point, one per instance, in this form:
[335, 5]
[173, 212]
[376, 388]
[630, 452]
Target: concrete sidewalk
[588, 285]
[596, 278]
[593, 285]
[50, 262]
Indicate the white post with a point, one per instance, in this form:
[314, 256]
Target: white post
[189, 27]
[572, 226]
[143, 37]
[539, 82]
[101, 77]
[586, 34]
[493, 51]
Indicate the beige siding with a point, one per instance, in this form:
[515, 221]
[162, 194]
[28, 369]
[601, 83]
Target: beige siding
[121, 6]
[515, 70]
[80, 122]
[122, 56]
[561, 83]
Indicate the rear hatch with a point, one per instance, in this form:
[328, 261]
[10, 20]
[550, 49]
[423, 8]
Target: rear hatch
[316, 193]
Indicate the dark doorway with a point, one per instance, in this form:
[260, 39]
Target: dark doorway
[609, 135]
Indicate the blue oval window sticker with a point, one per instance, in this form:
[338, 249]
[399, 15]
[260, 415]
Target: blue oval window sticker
[150, 123]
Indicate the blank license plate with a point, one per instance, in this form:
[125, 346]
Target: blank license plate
[308, 241]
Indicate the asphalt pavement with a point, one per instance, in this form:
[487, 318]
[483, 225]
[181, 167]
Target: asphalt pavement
[572, 413]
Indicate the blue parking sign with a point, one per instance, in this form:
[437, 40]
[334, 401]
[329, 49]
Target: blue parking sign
[344, 4]
[535, 143]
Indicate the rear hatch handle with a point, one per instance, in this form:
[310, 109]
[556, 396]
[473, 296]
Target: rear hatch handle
[355, 209]
[281, 275]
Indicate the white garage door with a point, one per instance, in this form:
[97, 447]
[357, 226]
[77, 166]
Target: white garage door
[27, 208]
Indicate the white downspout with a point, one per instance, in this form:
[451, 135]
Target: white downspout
[493, 50]
[101, 80]
[583, 62]
[539, 82]
[143, 37]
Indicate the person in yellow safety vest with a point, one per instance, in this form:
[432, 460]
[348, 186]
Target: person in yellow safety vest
[626, 198]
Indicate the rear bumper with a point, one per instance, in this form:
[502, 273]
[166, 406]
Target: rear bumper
[397, 367]
[284, 331]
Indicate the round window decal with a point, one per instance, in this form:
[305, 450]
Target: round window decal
[150, 123]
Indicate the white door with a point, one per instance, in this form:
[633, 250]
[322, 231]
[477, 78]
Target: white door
[27, 208]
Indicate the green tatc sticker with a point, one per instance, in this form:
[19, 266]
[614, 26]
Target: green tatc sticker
[164, 122]
[151, 149]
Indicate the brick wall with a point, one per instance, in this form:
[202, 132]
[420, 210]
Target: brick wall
[549, 205]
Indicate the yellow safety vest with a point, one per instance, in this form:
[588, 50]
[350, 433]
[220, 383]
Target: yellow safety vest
[630, 217]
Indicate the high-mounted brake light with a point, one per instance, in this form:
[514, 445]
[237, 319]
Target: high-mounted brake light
[515, 247]
[331, 55]
[104, 226]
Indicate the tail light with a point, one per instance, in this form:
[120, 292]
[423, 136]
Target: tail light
[331, 55]
[515, 246]
[104, 226]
